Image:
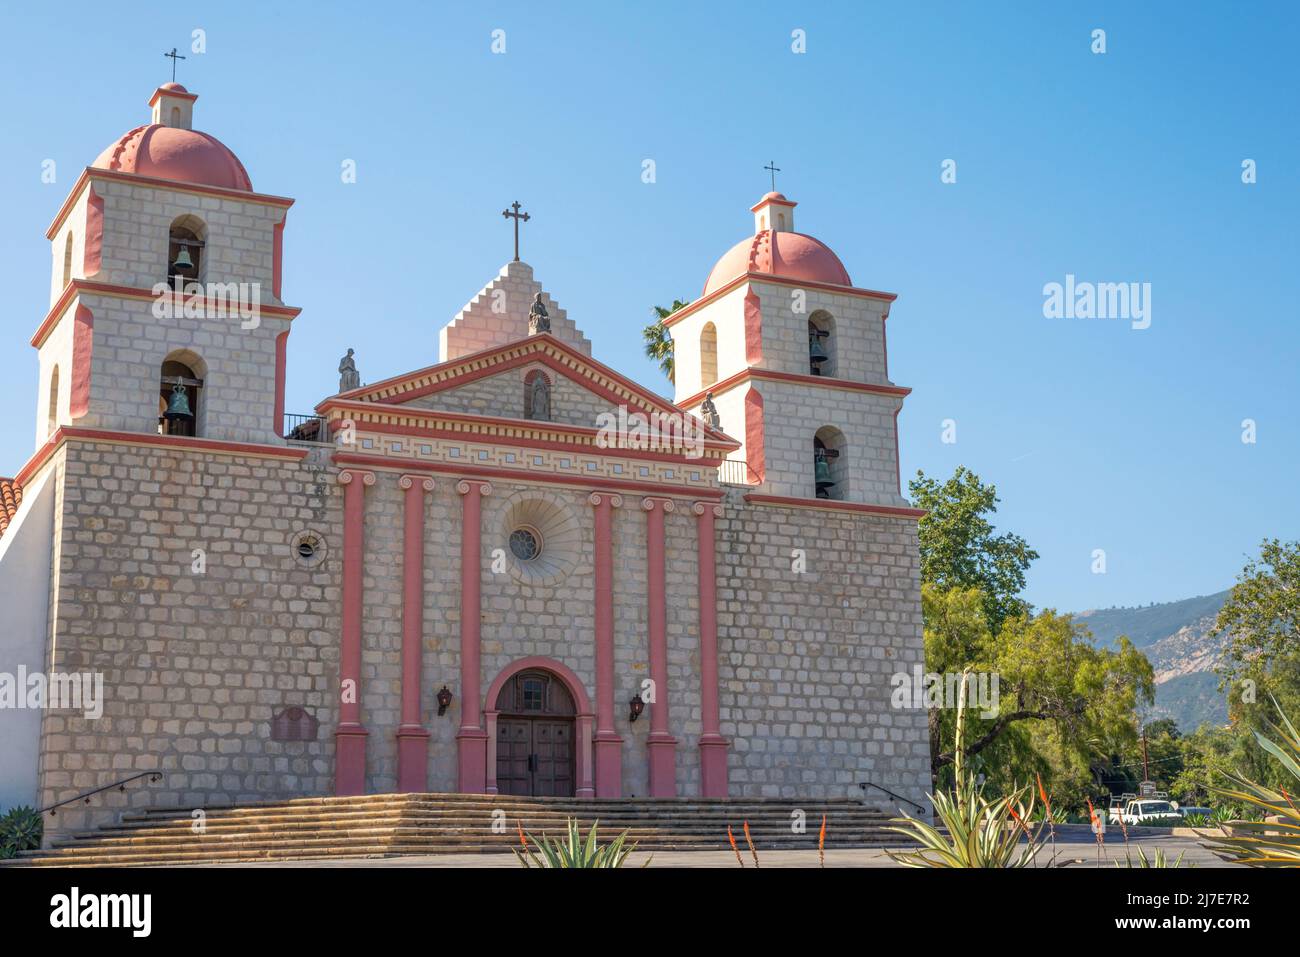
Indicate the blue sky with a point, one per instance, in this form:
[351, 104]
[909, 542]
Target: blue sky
[1122, 167]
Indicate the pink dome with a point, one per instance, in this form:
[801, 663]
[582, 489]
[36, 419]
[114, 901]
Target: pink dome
[185, 156]
[778, 253]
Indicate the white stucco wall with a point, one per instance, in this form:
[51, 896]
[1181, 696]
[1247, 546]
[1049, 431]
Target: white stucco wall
[24, 596]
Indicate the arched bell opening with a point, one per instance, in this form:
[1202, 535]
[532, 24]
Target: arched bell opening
[830, 464]
[821, 344]
[181, 409]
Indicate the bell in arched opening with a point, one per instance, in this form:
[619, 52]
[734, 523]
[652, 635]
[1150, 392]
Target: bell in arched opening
[817, 355]
[822, 469]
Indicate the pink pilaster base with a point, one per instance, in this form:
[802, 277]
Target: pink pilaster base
[609, 764]
[713, 766]
[471, 761]
[412, 760]
[350, 760]
[662, 752]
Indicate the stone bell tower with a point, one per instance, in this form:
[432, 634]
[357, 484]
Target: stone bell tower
[166, 275]
[794, 355]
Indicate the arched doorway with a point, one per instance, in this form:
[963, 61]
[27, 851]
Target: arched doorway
[535, 736]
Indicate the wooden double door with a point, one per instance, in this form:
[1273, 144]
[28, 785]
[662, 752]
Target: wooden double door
[535, 739]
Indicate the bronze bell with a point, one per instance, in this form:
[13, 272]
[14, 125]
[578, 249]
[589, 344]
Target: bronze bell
[816, 353]
[183, 260]
[822, 472]
[178, 407]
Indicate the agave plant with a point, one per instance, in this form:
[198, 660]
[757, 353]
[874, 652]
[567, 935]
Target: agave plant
[1197, 820]
[20, 830]
[1274, 843]
[573, 851]
[1159, 860]
[980, 832]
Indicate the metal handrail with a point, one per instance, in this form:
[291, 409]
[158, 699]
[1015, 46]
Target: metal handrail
[871, 784]
[307, 428]
[154, 777]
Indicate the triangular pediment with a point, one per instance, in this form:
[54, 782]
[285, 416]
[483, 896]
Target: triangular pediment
[489, 385]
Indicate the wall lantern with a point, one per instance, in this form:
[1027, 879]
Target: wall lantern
[444, 701]
[635, 706]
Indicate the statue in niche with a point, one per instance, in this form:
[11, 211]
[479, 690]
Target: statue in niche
[539, 320]
[349, 378]
[539, 405]
[709, 412]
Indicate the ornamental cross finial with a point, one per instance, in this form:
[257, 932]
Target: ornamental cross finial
[174, 57]
[516, 216]
[773, 169]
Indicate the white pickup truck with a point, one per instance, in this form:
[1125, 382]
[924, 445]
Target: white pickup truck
[1150, 811]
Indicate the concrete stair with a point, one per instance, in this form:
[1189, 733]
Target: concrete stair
[405, 824]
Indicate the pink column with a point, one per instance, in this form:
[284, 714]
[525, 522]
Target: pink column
[609, 744]
[713, 746]
[661, 746]
[350, 736]
[412, 737]
[471, 739]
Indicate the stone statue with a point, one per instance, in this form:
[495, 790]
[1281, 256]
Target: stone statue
[538, 318]
[709, 412]
[541, 400]
[349, 378]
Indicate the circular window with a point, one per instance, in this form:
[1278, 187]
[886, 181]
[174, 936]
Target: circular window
[308, 547]
[525, 543]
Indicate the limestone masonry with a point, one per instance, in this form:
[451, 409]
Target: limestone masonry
[452, 579]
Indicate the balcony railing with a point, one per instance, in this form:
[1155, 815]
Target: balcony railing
[734, 472]
[307, 428]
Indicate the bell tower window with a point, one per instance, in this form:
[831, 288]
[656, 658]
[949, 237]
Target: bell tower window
[185, 243]
[830, 464]
[67, 261]
[180, 394]
[708, 355]
[52, 414]
[821, 344]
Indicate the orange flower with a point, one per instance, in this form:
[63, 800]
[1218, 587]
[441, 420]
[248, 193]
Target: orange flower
[821, 843]
[1042, 792]
[732, 838]
[522, 840]
[750, 841]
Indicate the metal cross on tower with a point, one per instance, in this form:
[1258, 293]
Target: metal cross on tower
[174, 57]
[773, 169]
[516, 216]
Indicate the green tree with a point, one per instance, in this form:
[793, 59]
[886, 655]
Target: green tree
[1054, 687]
[658, 343]
[959, 548]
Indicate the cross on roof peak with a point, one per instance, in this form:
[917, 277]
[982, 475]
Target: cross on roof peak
[174, 57]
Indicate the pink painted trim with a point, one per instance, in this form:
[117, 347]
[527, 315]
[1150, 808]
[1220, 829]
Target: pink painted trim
[609, 744]
[753, 329]
[826, 382]
[785, 501]
[83, 338]
[745, 277]
[502, 430]
[94, 238]
[713, 747]
[277, 257]
[661, 745]
[755, 451]
[412, 754]
[176, 94]
[80, 286]
[281, 366]
[471, 746]
[350, 744]
[483, 474]
[772, 202]
[541, 662]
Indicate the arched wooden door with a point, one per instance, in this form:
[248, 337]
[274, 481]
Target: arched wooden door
[535, 739]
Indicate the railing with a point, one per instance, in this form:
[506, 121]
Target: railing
[734, 472]
[897, 797]
[307, 428]
[153, 776]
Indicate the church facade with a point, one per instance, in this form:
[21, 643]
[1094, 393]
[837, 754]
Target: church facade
[513, 571]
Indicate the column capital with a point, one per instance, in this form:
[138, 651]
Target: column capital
[699, 508]
[651, 502]
[347, 475]
[408, 481]
[599, 498]
[464, 485]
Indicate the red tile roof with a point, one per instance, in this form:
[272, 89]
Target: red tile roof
[11, 496]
